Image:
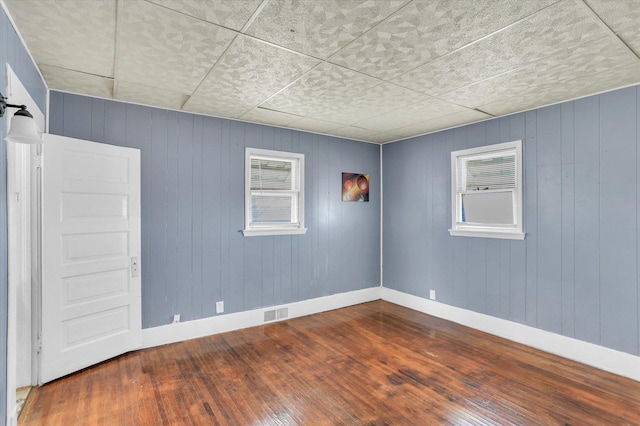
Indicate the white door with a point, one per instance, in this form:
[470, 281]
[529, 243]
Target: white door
[91, 306]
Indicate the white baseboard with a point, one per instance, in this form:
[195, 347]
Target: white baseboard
[616, 362]
[171, 333]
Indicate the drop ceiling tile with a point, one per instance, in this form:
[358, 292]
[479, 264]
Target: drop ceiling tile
[161, 48]
[427, 29]
[373, 102]
[267, 116]
[563, 76]
[411, 114]
[319, 28]
[561, 26]
[57, 33]
[216, 107]
[622, 16]
[320, 89]
[77, 82]
[251, 70]
[570, 88]
[146, 95]
[313, 125]
[383, 137]
[631, 36]
[227, 13]
[352, 132]
[451, 120]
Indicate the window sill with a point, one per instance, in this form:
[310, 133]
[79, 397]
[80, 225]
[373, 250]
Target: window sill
[510, 235]
[272, 231]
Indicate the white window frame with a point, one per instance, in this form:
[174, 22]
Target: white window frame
[253, 229]
[459, 228]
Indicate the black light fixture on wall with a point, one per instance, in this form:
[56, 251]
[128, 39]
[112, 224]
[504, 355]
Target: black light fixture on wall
[23, 127]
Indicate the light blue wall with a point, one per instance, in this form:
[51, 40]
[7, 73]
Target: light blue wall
[576, 274]
[12, 52]
[193, 253]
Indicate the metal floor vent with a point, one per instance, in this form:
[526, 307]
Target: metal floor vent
[276, 314]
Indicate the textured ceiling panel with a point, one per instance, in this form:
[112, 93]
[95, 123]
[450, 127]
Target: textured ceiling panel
[313, 125]
[227, 13]
[214, 106]
[623, 17]
[456, 119]
[577, 85]
[411, 114]
[380, 99]
[319, 28]
[566, 75]
[320, 89]
[138, 93]
[553, 82]
[631, 36]
[78, 35]
[162, 48]
[426, 29]
[267, 116]
[393, 69]
[383, 137]
[77, 82]
[250, 71]
[561, 26]
[352, 132]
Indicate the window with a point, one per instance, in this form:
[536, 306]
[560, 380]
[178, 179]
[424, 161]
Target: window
[486, 191]
[274, 193]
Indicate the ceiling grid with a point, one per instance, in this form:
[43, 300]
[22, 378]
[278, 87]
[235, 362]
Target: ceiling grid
[375, 70]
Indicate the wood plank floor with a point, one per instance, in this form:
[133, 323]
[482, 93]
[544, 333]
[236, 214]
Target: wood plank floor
[370, 364]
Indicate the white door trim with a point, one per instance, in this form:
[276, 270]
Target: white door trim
[19, 179]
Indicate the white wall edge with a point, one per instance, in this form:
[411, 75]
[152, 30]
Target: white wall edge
[606, 359]
[172, 333]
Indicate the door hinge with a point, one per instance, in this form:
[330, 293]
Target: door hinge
[37, 161]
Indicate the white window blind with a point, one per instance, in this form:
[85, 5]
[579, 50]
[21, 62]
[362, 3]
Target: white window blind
[274, 192]
[488, 173]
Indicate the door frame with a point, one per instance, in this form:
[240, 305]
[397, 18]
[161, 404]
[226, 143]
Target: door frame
[30, 236]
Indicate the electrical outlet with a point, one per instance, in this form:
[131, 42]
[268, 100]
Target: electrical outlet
[176, 318]
[432, 294]
[219, 307]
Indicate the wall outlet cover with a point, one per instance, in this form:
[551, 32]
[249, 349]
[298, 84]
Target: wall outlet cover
[432, 294]
[219, 307]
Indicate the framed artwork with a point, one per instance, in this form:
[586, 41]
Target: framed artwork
[355, 187]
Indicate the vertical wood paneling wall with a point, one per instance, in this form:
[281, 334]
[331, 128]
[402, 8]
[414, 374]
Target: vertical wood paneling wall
[576, 273]
[193, 253]
[12, 52]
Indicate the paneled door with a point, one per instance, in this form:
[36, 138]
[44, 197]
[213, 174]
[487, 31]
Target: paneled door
[91, 307]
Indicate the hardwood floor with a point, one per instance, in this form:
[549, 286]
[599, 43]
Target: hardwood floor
[370, 364]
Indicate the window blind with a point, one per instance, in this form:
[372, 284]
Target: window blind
[273, 191]
[272, 175]
[497, 171]
[272, 209]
